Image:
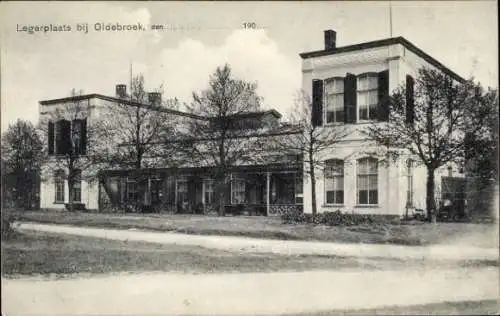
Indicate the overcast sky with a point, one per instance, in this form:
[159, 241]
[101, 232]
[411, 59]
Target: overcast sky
[41, 66]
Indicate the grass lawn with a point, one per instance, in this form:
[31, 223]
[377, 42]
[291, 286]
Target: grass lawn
[37, 253]
[486, 307]
[273, 228]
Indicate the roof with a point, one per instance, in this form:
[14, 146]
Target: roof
[385, 42]
[257, 114]
[263, 167]
[158, 108]
[113, 99]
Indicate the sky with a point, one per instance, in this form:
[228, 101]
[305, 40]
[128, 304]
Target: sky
[200, 36]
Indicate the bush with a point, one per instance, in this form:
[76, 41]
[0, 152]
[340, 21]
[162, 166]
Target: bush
[7, 220]
[336, 218]
[76, 206]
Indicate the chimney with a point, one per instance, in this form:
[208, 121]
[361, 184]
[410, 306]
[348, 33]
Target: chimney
[154, 98]
[330, 39]
[121, 91]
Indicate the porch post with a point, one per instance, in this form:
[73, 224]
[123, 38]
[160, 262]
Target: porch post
[175, 191]
[203, 191]
[268, 186]
[148, 194]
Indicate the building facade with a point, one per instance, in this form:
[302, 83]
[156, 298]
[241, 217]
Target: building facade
[267, 182]
[348, 86]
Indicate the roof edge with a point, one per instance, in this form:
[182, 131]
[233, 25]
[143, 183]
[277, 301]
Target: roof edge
[385, 42]
[113, 99]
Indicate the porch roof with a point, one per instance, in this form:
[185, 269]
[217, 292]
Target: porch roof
[274, 167]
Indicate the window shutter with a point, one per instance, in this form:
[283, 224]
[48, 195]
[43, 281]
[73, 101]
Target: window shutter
[350, 96]
[51, 138]
[317, 103]
[383, 95]
[83, 137]
[410, 103]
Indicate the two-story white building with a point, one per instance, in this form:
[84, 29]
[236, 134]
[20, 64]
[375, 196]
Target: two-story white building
[348, 86]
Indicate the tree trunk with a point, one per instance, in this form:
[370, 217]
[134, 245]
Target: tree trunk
[313, 188]
[221, 205]
[221, 189]
[430, 200]
[70, 202]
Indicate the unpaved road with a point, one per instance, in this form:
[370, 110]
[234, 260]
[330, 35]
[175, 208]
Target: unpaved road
[252, 293]
[457, 251]
[244, 294]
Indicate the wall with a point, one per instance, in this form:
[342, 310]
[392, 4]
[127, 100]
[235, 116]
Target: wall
[47, 195]
[392, 181]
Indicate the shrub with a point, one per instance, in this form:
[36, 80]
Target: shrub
[7, 220]
[336, 218]
[76, 206]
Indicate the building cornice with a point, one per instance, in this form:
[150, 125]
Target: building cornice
[381, 43]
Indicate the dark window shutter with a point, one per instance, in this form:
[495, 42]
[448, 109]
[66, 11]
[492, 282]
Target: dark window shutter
[410, 102]
[83, 137]
[383, 95]
[350, 97]
[64, 139]
[51, 138]
[317, 103]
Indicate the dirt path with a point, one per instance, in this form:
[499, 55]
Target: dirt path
[245, 294]
[459, 251]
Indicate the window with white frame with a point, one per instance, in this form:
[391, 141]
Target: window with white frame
[182, 191]
[334, 181]
[367, 96]
[209, 191]
[59, 177]
[409, 191]
[156, 189]
[77, 186]
[367, 181]
[237, 191]
[334, 100]
[299, 187]
[132, 193]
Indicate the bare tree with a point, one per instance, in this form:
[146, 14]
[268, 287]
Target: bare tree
[139, 126]
[429, 117]
[311, 142]
[69, 133]
[221, 141]
[22, 157]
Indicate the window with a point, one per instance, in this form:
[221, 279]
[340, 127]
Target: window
[132, 193]
[62, 137]
[237, 191]
[367, 96]
[367, 181]
[334, 96]
[59, 186]
[334, 182]
[156, 190]
[299, 199]
[209, 191]
[182, 191]
[409, 191]
[77, 186]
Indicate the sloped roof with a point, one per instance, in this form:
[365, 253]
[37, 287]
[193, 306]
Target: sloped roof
[118, 100]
